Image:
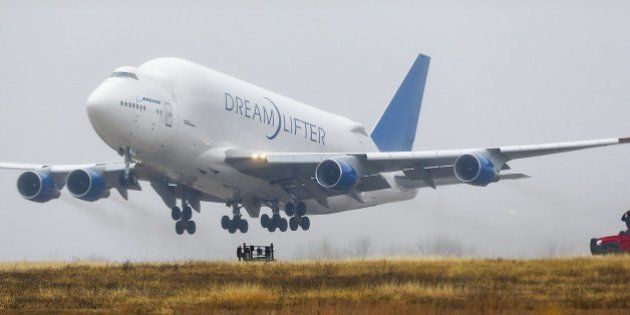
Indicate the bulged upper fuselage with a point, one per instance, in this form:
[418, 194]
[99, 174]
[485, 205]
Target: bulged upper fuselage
[180, 117]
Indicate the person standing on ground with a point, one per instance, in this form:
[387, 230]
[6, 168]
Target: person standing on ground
[246, 252]
[239, 253]
[267, 253]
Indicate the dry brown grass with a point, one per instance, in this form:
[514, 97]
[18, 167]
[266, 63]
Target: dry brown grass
[362, 287]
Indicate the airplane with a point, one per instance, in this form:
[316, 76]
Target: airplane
[197, 135]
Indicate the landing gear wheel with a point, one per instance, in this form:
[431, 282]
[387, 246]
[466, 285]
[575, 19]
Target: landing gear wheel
[186, 213]
[283, 225]
[180, 226]
[233, 227]
[294, 224]
[271, 226]
[305, 223]
[264, 221]
[176, 213]
[243, 226]
[301, 209]
[191, 227]
[225, 222]
[289, 209]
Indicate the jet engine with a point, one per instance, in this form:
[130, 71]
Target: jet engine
[37, 186]
[336, 175]
[475, 170]
[87, 184]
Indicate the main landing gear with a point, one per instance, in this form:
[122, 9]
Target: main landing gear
[236, 222]
[183, 218]
[297, 218]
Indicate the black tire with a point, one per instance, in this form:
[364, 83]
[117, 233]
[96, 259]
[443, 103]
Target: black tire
[272, 226]
[305, 223]
[225, 222]
[301, 209]
[191, 227]
[611, 249]
[232, 229]
[275, 219]
[294, 224]
[186, 213]
[176, 213]
[264, 221]
[283, 225]
[289, 209]
[180, 227]
[243, 226]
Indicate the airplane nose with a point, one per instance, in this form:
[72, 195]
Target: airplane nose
[97, 103]
[99, 108]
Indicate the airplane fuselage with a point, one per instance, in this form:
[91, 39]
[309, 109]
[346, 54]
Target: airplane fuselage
[180, 118]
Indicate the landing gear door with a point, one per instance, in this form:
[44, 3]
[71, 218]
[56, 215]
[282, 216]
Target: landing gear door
[168, 114]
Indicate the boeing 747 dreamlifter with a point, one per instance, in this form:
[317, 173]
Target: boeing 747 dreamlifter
[197, 135]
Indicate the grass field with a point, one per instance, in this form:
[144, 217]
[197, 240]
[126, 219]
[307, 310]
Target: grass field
[363, 287]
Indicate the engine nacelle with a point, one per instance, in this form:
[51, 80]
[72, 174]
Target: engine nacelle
[37, 186]
[87, 184]
[475, 170]
[336, 174]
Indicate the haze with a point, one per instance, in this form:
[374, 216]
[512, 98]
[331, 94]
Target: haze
[502, 72]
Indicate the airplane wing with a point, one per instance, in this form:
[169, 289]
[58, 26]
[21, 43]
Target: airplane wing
[417, 168]
[62, 169]
[111, 172]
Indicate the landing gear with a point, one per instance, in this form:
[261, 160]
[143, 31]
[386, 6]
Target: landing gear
[183, 218]
[297, 220]
[236, 223]
[275, 222]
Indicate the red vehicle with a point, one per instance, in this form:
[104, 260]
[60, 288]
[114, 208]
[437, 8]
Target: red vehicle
[613, 244]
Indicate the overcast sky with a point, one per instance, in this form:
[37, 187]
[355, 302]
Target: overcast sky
[502, 72]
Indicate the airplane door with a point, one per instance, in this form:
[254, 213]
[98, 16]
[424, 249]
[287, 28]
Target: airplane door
[168, 114]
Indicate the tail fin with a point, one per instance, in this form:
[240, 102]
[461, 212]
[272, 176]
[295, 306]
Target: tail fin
[396, 129]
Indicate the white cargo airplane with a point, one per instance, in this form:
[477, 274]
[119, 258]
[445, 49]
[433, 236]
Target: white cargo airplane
[199, 135]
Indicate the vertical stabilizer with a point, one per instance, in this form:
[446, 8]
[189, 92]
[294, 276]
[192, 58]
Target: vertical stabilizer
[396, 129]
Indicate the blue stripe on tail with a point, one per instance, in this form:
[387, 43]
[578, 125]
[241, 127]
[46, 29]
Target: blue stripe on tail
[396, 129]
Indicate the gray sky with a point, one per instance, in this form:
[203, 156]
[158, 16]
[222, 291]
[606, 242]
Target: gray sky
[502, 72]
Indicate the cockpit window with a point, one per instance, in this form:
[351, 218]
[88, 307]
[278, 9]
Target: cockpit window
[122, 74]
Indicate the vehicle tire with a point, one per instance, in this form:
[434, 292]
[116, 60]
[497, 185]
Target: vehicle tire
[305, 223]
[301, 209]
[191, 227]
[283, 225]
[176, 213]
[180, 226]
[294, 224]
[264, 221]
[187, 213]
[243, 226]
[612, 249]
[225, 222]
[289, 209]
